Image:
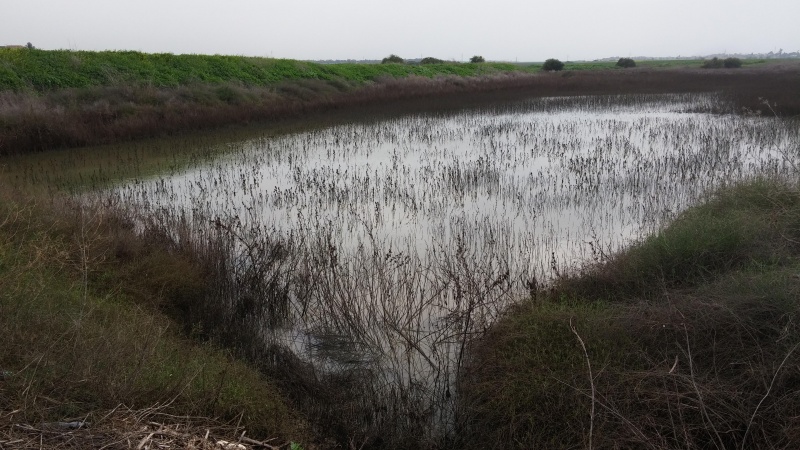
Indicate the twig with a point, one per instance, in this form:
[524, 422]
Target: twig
[264, 444]
[607, 406]
[591, 380]
[703, 409]
[769, 389]
[144, 441]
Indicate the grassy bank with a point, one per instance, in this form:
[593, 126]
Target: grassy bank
[85, 338]
[686, 340]
[45, 70]
[51, 99]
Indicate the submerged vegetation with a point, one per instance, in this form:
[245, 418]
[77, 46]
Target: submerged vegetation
[526, 274]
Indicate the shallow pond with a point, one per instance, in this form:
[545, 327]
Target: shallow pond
[408, 236]
[536, 179]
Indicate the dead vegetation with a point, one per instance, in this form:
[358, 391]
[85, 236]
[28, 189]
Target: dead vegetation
[123, 428]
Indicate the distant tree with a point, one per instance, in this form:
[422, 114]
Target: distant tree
[477, 59]
[30, 46]
[431, 60]
[732, 63]
[393, 59]
[713, 63]
[552, 64]
[626, 63]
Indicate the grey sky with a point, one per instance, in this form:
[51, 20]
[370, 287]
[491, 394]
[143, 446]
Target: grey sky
[371, 29]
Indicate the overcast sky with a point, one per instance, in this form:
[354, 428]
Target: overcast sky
[523, 30]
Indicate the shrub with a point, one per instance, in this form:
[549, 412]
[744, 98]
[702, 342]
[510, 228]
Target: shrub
[626, 63]
[713, 63]
[552, 64]
[732, 63]
[728, 63]
[477, 59]
[393, 59]
[431, 60]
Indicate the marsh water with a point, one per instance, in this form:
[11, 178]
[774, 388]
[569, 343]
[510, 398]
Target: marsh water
[408, 236]
[538, 178]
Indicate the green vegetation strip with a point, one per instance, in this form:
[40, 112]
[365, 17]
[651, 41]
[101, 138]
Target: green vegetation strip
[42, 70]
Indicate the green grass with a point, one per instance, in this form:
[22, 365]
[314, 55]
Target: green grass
[47, 70]
[685, 331]
[44, 70]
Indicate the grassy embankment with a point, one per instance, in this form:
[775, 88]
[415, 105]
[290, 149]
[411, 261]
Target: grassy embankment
[688, 339]
[51, 99]
[66, 99]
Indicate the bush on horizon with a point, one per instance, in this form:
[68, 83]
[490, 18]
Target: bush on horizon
[552, 65]
[713, 63]
[727, 63]
[393, 59]
[626, 63]
[431, 60]
[732, 63]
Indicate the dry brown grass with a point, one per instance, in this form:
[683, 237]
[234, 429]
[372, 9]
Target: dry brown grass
[123, 428]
